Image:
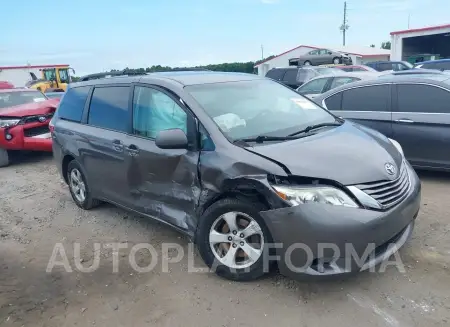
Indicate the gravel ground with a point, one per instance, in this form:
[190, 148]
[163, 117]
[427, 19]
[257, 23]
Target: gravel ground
[37, 213]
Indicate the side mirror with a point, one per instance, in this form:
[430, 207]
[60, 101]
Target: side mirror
[171, 139]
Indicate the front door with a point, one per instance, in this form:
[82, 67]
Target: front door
[421, 124]
[103, 149]
[161, 183]
[369, 106]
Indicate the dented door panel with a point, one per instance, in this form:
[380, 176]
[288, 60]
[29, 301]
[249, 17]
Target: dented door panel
[163, 183]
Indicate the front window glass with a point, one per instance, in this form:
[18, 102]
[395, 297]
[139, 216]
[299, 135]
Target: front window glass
[259, 107]
[49, 74]
[10, 99]
[64, 75]
[313, 87]
[155, 111]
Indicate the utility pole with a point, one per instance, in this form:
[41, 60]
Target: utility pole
[262, 52]
[409, 18]
[344, 27]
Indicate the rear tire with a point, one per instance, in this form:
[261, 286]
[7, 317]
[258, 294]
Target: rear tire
[307, 63]
[4, 158]
[212, 224]
[79, 188]
[336, 61]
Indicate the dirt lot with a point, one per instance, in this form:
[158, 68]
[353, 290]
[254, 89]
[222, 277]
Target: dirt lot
[37, 213]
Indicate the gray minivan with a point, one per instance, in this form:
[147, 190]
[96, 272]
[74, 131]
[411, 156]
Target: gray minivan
[413, 109]
[245, 167]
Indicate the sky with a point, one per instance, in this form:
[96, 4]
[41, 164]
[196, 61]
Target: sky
[98, 35]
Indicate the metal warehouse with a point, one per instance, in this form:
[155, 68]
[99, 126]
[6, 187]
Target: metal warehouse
[359, 55]
[434, 40]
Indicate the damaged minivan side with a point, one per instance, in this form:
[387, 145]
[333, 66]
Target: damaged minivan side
[247, 168]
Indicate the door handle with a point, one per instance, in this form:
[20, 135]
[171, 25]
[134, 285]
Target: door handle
[117, 145]
[404, 121]
[133, 150]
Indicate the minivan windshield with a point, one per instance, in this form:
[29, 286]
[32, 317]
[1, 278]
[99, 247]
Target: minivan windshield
[246, 109]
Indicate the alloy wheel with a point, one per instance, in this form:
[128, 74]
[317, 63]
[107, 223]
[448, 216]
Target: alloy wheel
[77, 185]
[236, 240]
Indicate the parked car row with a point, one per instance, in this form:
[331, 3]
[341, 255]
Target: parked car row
[237, 162]
[412, 108]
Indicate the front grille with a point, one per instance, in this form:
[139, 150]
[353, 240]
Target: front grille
[388, 193]
[34, 131]
[35, 119]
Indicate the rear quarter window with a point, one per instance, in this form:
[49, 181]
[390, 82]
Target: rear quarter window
[276, 74]
[72, 104]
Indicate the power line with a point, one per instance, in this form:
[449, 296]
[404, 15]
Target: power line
[344, 27]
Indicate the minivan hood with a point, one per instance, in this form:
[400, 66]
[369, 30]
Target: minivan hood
[349, 154]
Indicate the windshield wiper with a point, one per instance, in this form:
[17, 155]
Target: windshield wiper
[265, 138]
[311, 127]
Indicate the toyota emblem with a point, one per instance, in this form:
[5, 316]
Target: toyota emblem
[42, 119]
[390, 168]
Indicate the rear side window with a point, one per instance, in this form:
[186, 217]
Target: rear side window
[72, 104]
[305, 75]
[276, 74]
[384, 66]
[290, 76]
[334, 102]
[368, 98]
[422, 98]
[109, 108]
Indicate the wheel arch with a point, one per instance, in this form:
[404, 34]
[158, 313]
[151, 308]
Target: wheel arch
[256, 189]
[68, 158]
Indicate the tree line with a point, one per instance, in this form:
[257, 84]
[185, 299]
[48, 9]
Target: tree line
[237, 67]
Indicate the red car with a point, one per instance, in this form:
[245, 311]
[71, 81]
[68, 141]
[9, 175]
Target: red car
[6, 85]
[24, 118]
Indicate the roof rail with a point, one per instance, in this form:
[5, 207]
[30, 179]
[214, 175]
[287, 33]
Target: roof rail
[109, 75]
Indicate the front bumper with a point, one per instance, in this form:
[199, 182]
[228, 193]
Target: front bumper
[323, 240]
[28, 137]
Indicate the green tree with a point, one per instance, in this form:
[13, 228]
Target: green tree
[386, 45]
[372, 45]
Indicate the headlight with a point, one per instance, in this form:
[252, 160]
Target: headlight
[397, 145]
[8, 122]
[296, 195]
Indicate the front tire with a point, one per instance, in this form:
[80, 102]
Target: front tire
[4, 158]
[79, 188]
[233, 240]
